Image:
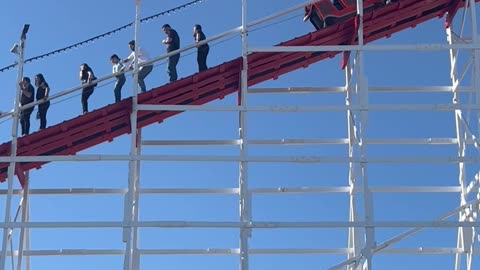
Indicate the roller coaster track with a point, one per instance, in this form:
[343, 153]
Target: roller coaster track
[112, 121]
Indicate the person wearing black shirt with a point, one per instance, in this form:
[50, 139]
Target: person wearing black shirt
[173, 43]
[27, 97]
[86, 76]
[42, 94]
[202, 50]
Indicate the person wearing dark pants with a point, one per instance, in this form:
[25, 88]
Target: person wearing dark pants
[202, 50]
[117, 68]
[142, 74]
[172, 67]
[86, 76]
[42, 114]
[28, 96]
[25, 121]
[173, 43]
[43, 90]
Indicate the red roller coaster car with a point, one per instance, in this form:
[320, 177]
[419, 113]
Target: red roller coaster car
[327, 12]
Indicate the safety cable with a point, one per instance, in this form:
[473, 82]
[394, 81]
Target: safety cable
[82, 43]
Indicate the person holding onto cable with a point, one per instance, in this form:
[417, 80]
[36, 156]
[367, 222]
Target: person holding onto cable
[143, 71]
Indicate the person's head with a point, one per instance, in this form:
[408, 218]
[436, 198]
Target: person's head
[85, 67]
[39, 79]
[114, 59]
[26, 81]
[197, 27]
[131, 44]
[166, 28]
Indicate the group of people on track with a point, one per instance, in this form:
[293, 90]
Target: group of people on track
[119, 67]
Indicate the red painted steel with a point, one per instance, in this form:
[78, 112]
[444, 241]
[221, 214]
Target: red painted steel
[105, 124]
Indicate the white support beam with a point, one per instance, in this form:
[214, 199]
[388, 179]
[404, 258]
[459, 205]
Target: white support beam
[13, 147]
[233, 251]
[24, 237]
[243, 183]
[302, 109]
[463, 131]
[371, 89]
[233, 225]
[258, 159]
[304, 142]
[253, 191]
[131, 198]
[367, 48]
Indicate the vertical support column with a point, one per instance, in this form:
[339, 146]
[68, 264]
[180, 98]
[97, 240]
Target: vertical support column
[469, 233]
[13, 149]
[135, 205]
[23, 230]
[476, 56]
[461, 154]
[465, 235]
[245, 200]
[27, 219]
[354, 242]
[130, 233]
[362, 91]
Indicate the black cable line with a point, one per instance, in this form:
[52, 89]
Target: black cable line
[82, 43]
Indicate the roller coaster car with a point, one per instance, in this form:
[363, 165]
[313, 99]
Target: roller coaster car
[326, 12]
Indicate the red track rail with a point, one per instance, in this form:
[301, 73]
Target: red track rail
[105, 124]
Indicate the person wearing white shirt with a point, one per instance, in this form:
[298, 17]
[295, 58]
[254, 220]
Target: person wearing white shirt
[118, 68]
[142, 58]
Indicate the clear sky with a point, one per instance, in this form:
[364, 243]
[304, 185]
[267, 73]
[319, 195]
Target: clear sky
[56, 24]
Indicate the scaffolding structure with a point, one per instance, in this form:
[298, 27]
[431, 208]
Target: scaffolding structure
[362, 245]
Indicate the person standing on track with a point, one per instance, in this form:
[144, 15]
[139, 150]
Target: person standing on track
[202, 50]
[143, 71]
[43, 90]
[86, 76]
[117, 68]
[173, 43]
[28, 96]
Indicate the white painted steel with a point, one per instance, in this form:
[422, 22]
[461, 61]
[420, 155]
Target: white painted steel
[234, 225]
[210, 251]
[464, 131]
[243, 185]
[23, 231]
[257, 159]
[309, 90]
[130, 211]
[328, 108]
[227, 252]
[359, 252]
[362, 88]
[13, 148]
[235, 191]
[294, 142]
[354, 240]
[366, 47]
[471, 213]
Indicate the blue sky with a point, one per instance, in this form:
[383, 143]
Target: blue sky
[56, 24]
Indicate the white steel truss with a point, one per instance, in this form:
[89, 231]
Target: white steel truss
[466, 235]
[362, 245]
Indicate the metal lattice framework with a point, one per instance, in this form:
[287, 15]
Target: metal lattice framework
[362, 245]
